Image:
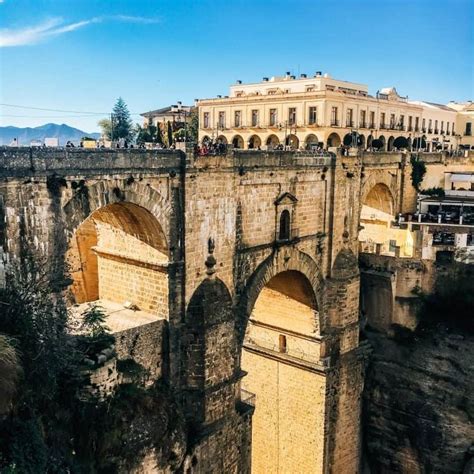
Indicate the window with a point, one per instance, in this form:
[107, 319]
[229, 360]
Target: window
[254, 118]
[273, 117]
[401, 123]
[436, 126]
[310, 89]
[452, 128]
[468, 130]
[282, 343]
[206, 119]
[417, 123]
[292, 116]
[392, 121]
[447, 128]
[334, 116]
[221, 122]
[410, 123]
[237, 118]
[372, 119]
[430, 126]
[362, 123]
[423, 125]
[313, 115]
[442, 126]
[284, 233]
[382, 120]
[349, 116]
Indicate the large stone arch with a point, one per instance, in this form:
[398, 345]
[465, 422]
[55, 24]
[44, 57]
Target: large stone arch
[287, 259]
[88, 199]
[380, 197]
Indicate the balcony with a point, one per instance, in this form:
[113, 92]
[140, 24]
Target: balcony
[423, 130]
[442, 132]
[467, 133]
[417, 129]
[392, 126]
[334, 123]
[430, 130]
[383, 126]
[436, 131]
[372, 125]
[410, 128]
[401, 127]
[362, 125]
[349, 123]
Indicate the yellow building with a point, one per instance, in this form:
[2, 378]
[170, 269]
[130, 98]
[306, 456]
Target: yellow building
[304, 112]
[464, 122]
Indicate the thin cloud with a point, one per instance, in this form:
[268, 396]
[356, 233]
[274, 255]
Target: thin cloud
[57, 26]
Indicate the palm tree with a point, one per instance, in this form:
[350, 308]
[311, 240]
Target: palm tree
[10, 370]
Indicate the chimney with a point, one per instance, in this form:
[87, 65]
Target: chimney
[303, 76]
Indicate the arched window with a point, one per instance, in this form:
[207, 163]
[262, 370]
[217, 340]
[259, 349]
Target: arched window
[284, 233]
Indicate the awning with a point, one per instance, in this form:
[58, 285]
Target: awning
[465, 178]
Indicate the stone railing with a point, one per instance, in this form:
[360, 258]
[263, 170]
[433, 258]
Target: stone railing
[21, 161]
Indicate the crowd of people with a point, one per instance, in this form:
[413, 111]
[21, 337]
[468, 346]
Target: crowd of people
[211, 148]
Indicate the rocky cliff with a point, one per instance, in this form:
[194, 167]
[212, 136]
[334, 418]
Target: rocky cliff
[418, 402]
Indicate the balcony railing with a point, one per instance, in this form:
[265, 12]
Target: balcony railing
[334, 123]
[417, 129]
[423, 129]
[401, 127]
[467, 133]
[349, 123]
[410, 128]
[372, 125]
[392, 126]
[436, 131]
[430, 130]
[363, 125]
[383, 126]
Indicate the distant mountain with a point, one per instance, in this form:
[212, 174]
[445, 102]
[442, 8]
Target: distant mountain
[50, 130]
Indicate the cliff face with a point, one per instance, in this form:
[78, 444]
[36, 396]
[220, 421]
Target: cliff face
[419, 403]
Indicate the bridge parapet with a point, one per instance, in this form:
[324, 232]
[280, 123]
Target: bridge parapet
[24, 161]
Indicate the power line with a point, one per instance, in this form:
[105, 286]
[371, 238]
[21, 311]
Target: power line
[57, 110]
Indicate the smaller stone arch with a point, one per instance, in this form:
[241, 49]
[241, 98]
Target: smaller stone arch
[272, 142]
[209, 334]
[222, 139]
[238, 142]
[334, 140]
[380, 197]
[311, 141]
[292, 141]
[401, 142]
[345, 265]
[254, 142]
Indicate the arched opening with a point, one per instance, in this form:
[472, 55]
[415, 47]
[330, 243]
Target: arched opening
[334, 140]
[401, 143]
[118, 258]
[378, 234]
[370, 139]
[292, 141]
[272, 142]
[361, 141]
[349, 139]
[209, 318]
[419, 143]
[311, 142]
[390, 143]
[285, 225]
[221, 139]
[379, 143]
[279, 353]
[238, 142]
[255, 142]
[206, 140]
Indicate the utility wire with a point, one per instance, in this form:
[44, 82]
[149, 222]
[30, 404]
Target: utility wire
[58, 110]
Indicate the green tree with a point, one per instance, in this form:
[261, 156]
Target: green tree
[170, 134]
[418, 170]
[193, 125]
[122, 126]
[105, 127]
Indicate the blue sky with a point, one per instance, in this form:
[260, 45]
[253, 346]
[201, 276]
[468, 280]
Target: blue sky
[80, 55]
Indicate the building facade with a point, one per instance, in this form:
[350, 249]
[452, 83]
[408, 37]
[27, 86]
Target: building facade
[464, 123]
[304, 112]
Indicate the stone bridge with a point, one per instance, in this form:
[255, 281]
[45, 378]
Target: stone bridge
[226, 276]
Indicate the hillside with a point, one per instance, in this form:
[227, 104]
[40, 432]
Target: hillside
[50, 130]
